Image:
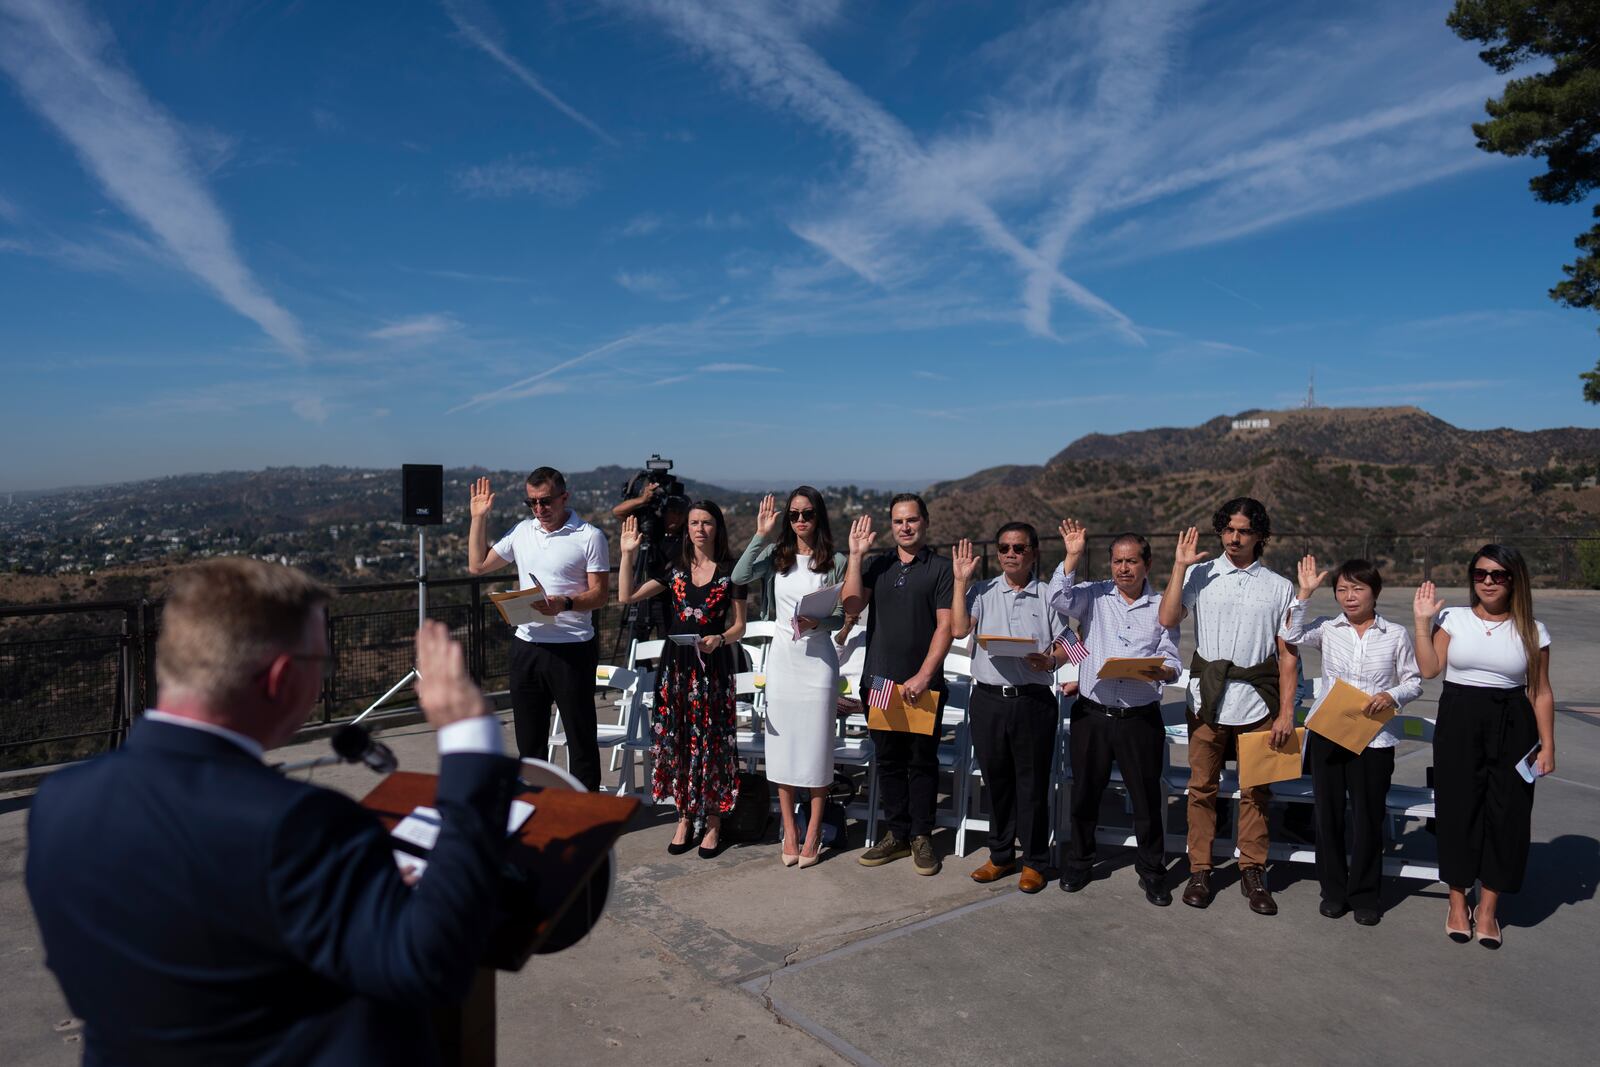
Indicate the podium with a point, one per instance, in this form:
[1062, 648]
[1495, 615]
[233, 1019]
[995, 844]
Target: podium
[555, 876]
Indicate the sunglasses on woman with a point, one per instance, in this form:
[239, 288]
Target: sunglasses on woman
[802, 514]
[1490, 577]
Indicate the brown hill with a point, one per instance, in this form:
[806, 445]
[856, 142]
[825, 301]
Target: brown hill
[1337, 474]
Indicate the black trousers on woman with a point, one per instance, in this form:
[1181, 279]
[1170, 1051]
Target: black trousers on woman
[1485, 809]
[1337, 775]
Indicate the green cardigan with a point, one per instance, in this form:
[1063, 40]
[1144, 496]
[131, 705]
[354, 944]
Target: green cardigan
[755, 565]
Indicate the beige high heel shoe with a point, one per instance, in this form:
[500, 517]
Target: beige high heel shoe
[789, 858]
[810, 861]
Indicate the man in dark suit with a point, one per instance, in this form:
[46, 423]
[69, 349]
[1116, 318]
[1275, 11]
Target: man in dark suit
[198, 907]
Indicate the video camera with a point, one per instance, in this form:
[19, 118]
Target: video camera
[657, 471]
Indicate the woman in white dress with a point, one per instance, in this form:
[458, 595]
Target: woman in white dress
[792, 554]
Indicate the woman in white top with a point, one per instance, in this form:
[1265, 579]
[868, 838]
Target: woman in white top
[793, 552]
[1363, 649]
[1495, 709]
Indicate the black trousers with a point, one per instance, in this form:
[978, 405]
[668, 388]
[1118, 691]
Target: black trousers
[1363, 778]
[1485, 809]
[908, 777]
[1138, 744]
[563, 673]
[1015, 738]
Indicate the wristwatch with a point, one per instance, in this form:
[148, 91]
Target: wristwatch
[569, 603]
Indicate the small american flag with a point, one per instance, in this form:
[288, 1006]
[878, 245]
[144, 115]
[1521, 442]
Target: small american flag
[1068, 642]
[880, 694]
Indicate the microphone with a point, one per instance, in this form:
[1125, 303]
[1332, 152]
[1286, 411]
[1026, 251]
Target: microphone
[351, 744]
[354, 745]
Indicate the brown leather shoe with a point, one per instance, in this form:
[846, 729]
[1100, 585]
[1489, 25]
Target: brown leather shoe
[1197, 894]
[1253, 884]
[1031, 881]
[992, 872]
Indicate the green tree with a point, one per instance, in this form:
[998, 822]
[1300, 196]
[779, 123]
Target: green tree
[1553, 114]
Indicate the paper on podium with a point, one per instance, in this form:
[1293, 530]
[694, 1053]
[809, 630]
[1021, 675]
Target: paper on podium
[1261, 764]
[1130, 667]
[1009, 647]
[516, 606]
[902, 717]
[1341, 716]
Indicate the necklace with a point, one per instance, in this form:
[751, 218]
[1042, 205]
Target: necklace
[1488, 630]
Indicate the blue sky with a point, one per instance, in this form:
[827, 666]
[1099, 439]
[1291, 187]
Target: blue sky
[799, 240]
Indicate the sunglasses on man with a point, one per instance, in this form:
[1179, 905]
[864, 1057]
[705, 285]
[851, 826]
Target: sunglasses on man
[1007, 549]
[536, 502]
[1489, 577]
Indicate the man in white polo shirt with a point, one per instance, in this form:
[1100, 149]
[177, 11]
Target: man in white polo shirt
[1242, 679]
[554, 657]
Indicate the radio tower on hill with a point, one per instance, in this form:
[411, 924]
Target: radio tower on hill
[1311, 390]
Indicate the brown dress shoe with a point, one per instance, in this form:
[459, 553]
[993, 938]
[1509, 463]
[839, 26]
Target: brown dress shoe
[993, 872]
[1197, 894]
[1253, 884]
[1031, 881]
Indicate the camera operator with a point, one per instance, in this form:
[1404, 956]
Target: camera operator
[658, 501]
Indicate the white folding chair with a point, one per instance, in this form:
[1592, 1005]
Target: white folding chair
[607, 735]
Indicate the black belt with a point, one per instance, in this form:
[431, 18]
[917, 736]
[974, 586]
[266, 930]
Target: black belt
[1011, 692]
[1118, 713]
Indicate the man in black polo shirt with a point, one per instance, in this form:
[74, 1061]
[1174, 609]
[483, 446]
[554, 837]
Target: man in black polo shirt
[908, 634]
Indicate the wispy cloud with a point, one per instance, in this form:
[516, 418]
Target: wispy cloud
[65, 65]
[647, 283]
[642, 225]
[511, 177]
[759, 48]
[416, 328]
[477, 24]
[539, 383]
[735, 368]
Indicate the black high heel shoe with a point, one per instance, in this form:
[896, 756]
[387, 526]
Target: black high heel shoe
[689, 841]
[715, 850]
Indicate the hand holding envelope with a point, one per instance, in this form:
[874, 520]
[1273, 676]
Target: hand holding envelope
[1349, 717]
[1261, 764]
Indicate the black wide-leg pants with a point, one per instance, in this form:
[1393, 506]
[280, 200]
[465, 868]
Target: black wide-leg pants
[1338, 775]
[1484, 814]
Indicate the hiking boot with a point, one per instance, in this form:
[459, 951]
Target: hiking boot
[887, 850]
[923, 858]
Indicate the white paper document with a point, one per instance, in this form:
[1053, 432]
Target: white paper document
[410, 864]
[684, 639]
[1526, 766]
[421, 827]
[518, 607]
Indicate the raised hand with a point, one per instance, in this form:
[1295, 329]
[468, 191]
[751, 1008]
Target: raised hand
[1189, 548]
[482, 497]
[767, 516]
[1310, 577]
[445, 690]
[964, 563]
[861, 535]
[1427, 603]
[1074, 536]
[628, 536]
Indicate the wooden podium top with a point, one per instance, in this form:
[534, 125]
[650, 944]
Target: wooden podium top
[557, 868]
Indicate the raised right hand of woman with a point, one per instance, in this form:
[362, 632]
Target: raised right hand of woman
[1310, 577]
[767, 516]
[1427, 603]
[629, 535]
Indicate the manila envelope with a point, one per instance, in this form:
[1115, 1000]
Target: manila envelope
[1341, 717]
[1261, 764]
[1129, 667]
[906, 718]
[517, 605]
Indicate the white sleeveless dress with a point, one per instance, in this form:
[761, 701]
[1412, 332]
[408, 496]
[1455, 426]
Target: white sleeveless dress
[802, 688]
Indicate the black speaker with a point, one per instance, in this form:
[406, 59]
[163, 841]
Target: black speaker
[422, 494]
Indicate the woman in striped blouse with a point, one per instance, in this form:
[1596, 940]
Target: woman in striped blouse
[1376, 656]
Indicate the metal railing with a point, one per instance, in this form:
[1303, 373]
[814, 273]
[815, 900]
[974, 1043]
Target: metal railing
[73, 676]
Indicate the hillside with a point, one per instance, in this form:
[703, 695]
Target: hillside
[1351, 471]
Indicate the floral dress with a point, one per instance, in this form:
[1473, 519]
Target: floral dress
[696, 754]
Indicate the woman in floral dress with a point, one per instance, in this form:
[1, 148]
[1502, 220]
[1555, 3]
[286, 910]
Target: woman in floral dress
[696, 755]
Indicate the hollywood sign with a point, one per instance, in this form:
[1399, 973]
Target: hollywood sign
[1252, 424]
